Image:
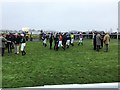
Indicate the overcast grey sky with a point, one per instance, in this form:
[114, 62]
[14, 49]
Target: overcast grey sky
[60, 16]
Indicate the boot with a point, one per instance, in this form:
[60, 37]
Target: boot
[45, 45]
[82, 43]
[22, 53]
[63, 48]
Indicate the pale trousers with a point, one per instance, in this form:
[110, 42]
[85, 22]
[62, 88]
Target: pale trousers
[60, 44]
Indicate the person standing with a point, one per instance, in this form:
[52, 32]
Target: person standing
[23, 44]
[81, 39]
[2, 44]
[60, 42]
[41, 35]
[64, 40]
[56, 41]
[94, 40]
[50, 40]
[106, 41]
[44, 40]
[98, 41]
[72, 39]
[68, 40]
[17, 43]
[54, 36]
[31, 37]
[9, 37]
[102, 40]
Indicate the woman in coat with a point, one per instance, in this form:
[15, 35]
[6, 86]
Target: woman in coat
[98, 41]
[23, 44]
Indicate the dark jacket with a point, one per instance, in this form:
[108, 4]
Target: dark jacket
[23, 40]
[51, 38]
[17, 40]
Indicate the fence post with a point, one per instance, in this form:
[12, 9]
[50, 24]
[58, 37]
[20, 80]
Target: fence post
[117, 32]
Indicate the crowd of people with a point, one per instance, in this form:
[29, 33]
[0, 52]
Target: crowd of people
[63, 40]
[17, 41]
[11, 41]
[100, 40]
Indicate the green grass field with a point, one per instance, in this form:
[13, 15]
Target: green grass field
[76, 65]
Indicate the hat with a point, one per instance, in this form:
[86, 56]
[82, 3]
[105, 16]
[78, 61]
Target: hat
[22, 35]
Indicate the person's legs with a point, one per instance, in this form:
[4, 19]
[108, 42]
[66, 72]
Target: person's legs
[58, 45]
[107, 47]
[101, 43]
[98, 48]
[54, 45]
[79, 43]
[50, 45]
[23, 49]
[45, 42]
[0, 51]
[67, 43]
[8, 46]
[62, 46]
[72, 42]
[17, 49]
[95, 46]
[3, 50]
[23, 52]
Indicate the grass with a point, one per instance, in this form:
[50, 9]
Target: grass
[76, 65]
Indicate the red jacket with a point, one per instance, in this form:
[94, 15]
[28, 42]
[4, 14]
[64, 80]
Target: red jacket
[60, 38]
